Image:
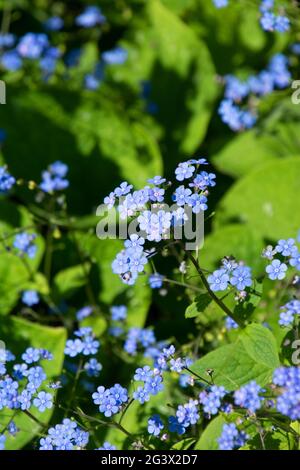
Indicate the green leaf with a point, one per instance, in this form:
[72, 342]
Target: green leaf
[253, 356]
[18, 334]
[16, 273]
[199, 305]
[209, 437]
[177, 64]
[266, 200]
[110, 287]
[236, 240]
[184, 444]
[69, 280]
[262, 147]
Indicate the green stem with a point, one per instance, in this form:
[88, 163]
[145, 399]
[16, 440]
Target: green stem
[212, 294]
[36, 420]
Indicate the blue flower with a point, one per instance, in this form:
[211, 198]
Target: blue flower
[90, 345]
[156, 281]
[108, 406]
[288, 402]
[188, 413]
[235, 89]
[118, 312]
[286, 247]
[157, 180]
[211, 400]
[32, 45]
[116, 56]
[177, 365]
[231, 438]
[54, 178]
[219, 280]
[64, 436]
[141, 394]
[267, 21]
[90, 17]
[248, 396]
[25, 400]
[12, 428]
[119, 393]
[11, 60]
[241, 277]
[2, 441]
[282, 24]
[276, 270]
[266, 5]
[123, 189]
[154, 385]
[184, 171]
[44, 401]
[156, 194]
[143, 373]
[110, 200]
[155, 425]
[220, 3]
[6, 180]
[73, 347]
[230, 324]
[295, 260]
[84, 312]
[7, 40]
[30, 298]
[175, 426]
[198, 203]
[107, 446]
[24, 243]
[288, 313]
[181, 196]
[36, 376]
[31, 355]
[91, 82]
[54, 23]
[203, 181]
[92, 367]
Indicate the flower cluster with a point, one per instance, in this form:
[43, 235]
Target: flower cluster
[248, 397]
[84, 312]
[6, 180]
[288, 401]
[54, 179]
[84, 344]
[153, 218]
[211, 399]
[231, 438]
[286, 251]
[236, 275]
[65, 436]
[21, 387]
[110, 400]
[31, 47]
[275, 76]
[36, 47]
[152, 383]
[288, 313]
[24, 244]
[270, 21]
[220, 3]
[90, 17]
[30, 298]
